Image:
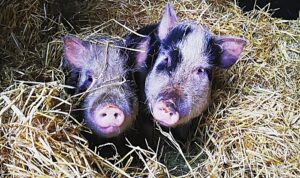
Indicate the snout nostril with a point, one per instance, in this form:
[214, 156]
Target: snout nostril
[103, 114]
[171, 114]
[116, 115]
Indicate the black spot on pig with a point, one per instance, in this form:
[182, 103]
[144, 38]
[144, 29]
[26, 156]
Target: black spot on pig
[175, 36]
[212, 51]
[169, 64]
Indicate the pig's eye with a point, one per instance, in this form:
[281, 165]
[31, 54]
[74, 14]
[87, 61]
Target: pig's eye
[166, 62]
[89, 79]
[200, 70]
[163, 64]
[89, 76]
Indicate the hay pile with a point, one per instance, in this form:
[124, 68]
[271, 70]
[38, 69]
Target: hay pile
[252, 128]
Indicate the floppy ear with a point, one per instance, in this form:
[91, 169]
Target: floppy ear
[167, 22]
[231, 48]
[142, 53]
[75, 52]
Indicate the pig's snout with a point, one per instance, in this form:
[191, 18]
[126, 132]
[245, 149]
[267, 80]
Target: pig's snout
[110, 116]
[109, 119]
[165, 113]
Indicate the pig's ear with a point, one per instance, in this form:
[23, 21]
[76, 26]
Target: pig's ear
[231, 48]
[167, 22]
[142, 53]
[74, 51]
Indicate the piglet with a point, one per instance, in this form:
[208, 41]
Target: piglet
[175, 77]
[102, 72]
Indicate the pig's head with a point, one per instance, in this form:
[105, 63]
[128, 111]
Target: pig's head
[179, 85]
[110, 105]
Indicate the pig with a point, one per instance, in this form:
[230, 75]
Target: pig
[102, 72]
[175, 76]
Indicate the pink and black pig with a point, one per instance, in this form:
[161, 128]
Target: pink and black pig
[175, 76]
[102, 72]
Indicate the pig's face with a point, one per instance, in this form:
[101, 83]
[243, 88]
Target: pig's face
[110, 105]
[179, 85]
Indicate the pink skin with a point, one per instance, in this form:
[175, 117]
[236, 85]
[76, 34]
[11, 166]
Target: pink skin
[109, 119]
[165, 114]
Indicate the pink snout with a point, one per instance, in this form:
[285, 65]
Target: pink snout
[165, 113]
[109, 119]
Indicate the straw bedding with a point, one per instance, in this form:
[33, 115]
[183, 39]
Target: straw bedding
[251, 129]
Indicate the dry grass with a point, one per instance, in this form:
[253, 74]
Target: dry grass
[252, 128]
